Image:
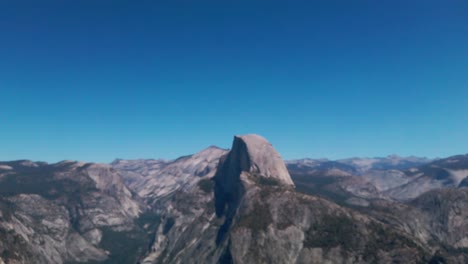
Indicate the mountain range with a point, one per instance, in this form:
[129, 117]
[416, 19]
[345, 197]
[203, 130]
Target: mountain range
[242, 205]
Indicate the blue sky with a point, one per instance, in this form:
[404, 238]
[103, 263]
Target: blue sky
[98, 80]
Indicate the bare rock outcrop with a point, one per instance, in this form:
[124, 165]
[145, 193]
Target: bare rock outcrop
[254, 155]
[153, 179]
[69, 212]
[252, 160]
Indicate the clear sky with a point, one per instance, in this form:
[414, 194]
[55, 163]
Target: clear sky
[98, 80]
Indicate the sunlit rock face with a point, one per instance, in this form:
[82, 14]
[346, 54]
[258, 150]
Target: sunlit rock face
[232, 206]
[263, 159]
[153, 179]
[251, 159]
[68, 212]
[256, 156]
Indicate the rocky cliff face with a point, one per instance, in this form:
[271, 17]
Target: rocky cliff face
[198, 219]
[153, 179]
[251, 160]
[256, 216]
[237, 206]
[437, 219]
[181, 192]
[255, 155]
[65, 212]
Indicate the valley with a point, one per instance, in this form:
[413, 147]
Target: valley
[242, 205]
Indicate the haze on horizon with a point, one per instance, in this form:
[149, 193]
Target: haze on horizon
[99, 80]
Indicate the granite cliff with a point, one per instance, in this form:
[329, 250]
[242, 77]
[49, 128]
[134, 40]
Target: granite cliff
[235, 206]
[253, 214]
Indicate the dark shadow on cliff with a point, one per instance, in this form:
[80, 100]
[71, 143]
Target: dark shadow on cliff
[228, 187]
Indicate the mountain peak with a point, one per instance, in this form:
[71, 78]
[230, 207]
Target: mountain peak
[253, 154]
[251, 159]
[214, 147]
[210, 151]
[262, 158]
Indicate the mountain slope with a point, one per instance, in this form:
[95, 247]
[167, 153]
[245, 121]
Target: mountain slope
[443, 173]
[64, 212]
[153, 179]
[239, 206]
[252, 218]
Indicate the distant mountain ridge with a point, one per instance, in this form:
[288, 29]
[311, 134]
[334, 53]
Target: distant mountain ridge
[244, 205]
[391, 177]
[365, 164]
